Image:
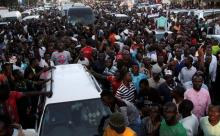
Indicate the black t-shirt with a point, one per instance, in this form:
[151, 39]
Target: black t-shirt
[149, 97]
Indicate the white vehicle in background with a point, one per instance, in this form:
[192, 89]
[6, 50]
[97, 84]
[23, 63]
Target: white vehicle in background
[79, 4]
[177, 11]
[26, 13]
[120, 17]
[157, 6]
[216, 37]
[65, 7]
[142, 5]
[3, 24]
[3, 11]
[36, 17]
[75, 108]
[39, 8]
[11, 16]
[146, 6]
[48, 6]
[207, 13]
[160, 34]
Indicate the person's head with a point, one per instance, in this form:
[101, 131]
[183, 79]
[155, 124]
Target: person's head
[185, 108]
[156, 71]
[188, 62]
[126, 76]
[170, 112]
[155, 112]
[208, 51]
[146, 61]
[108, 62]
[169, 77]
[107, 98]
[5, 123]
[135, 68]
[117, 122]
[197, 81]
[101, 57]
[34, 62]
[144, 84]
[208, 59]
[186, 52]
[160, 59]
[178, 92]
[178, 52]
[60, 46]
[47, 56]
[214, 114]
[139, 56]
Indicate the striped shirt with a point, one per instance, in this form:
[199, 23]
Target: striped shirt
[126, 93]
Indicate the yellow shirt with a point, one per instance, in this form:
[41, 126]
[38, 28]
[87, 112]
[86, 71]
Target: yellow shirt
[208, 129]
[111, 132]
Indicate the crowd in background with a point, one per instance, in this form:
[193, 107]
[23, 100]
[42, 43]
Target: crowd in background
[167, 86]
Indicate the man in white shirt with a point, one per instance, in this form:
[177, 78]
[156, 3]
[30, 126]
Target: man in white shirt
[210, 124]
[188, 71]
[217, 29]
[61, 56]
[189, 120]
[212, 63]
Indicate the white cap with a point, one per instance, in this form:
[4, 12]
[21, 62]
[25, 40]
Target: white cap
[126, 31]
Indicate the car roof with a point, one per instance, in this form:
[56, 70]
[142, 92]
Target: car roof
[79, 7]
[12, 14]
[31, 17]
[71, 83]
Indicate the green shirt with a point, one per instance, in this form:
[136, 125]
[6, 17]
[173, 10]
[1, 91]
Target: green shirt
[176, 130]
[215, 49]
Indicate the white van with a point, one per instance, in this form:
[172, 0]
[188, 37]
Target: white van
[75, 108]
[11, 16]
[207, 14]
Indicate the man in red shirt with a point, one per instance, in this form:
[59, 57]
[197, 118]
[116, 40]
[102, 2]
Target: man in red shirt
[114, 80]
[87, 50]
[8, 100]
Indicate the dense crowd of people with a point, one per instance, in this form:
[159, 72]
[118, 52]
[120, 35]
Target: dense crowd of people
[164, 86]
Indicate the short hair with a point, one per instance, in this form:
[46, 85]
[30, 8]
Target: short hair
[186, 106]
[180, 90]
[32, 60]
[190, 59]
[198, 74]
[145, 81]
[214, 105]
[170, 105]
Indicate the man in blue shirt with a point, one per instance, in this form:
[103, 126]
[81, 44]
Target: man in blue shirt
[137, 76]
[162, 22]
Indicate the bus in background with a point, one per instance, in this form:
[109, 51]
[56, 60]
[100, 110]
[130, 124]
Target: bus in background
[80, 14]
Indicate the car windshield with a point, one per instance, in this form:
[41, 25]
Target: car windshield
[84, 16]
[9, 19]
[78, 118]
